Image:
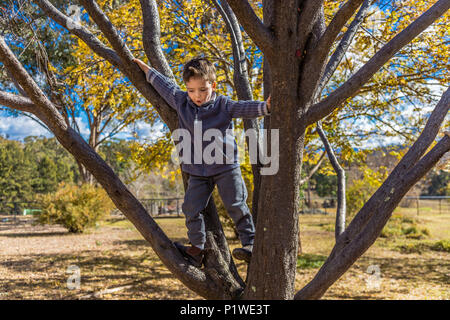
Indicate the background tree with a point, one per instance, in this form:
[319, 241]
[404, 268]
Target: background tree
[81, 86]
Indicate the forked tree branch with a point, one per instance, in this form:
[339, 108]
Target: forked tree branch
[343, 45]
[205, 283]
[108, 30]
[128, 68]
[351, 86]
[337, 23]
[255, 28]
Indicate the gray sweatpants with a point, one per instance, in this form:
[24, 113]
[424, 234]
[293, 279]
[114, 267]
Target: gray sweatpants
[233, 192]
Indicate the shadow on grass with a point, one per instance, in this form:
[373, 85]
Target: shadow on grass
[139, 243]
[139, 268]
[408, 269]
[36, 234]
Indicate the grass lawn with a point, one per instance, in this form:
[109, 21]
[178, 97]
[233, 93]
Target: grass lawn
[411, 261]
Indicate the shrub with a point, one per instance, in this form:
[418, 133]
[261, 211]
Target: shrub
[412, 248]
[401, 226]
[442, 245]
[75, 208]
[420, 247]
[360, 191]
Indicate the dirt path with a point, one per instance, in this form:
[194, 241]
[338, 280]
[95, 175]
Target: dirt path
[116, 263]
[35, 262]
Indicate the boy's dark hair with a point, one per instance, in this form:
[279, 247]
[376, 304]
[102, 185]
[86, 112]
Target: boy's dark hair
[199, 67]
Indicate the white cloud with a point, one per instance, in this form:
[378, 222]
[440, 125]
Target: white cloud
[21, 127]
[145, 131]
[84, 129]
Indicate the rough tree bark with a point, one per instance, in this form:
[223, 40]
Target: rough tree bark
[296, 46]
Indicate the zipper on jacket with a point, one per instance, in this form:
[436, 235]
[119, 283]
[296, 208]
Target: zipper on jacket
[196, 115]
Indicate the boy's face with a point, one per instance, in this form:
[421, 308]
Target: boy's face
[200, 90]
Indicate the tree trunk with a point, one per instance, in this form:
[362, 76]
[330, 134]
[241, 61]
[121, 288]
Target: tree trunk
[276, 241]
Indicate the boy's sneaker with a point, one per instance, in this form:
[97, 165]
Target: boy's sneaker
[244, 253]
[193, 254]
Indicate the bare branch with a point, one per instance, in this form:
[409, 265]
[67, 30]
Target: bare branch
[241, 80]
[28, 85]
[255, 28]
[17, 102]
[24, 105]
[131, 70]
[352, 85]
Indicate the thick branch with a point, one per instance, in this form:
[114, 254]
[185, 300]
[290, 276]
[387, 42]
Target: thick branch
[352, 85]
[258, 32]
[407, 162]
[339, 20]
[22, 104]
[108, 30]
[151, 38]
[344, 44]
[17, 102]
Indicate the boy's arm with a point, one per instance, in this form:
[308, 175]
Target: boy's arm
[248, 109]
[165, 86]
